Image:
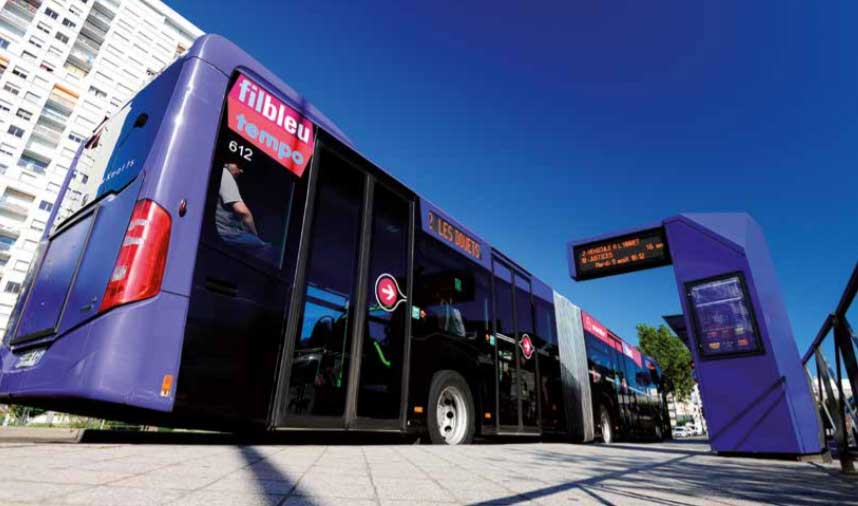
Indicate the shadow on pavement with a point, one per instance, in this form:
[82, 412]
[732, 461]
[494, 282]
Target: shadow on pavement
[265, 473]
[291, 437]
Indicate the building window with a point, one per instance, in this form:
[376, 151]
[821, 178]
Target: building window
[36, 42]
[46, 67]
[38, 225]
[4, 106]
[30, 245]
[6, 149]
[62, 37]
[97, 92]
[51, 13]
[76, 138]
[32, 97]
[28, 55]
[69, 23]
[12, 287]
[18, 71]
[3, 43]
[22, 265]
[42, 27]
[45, 206]
[24, 115]
[11, 88]
[17, 132]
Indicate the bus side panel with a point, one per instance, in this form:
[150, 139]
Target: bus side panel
[180, 170]
[577, 397]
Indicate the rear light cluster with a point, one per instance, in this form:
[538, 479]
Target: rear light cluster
[139, 269]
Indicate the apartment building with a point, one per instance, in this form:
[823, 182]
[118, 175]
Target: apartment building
[65, 65]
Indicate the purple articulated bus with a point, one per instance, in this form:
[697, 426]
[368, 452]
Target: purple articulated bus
[220, 257]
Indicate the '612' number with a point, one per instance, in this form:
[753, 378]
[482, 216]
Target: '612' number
[243, 151]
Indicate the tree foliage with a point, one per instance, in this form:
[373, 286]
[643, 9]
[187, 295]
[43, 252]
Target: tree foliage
[673, 357]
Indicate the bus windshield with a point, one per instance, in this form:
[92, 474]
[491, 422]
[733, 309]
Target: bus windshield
[116, 152]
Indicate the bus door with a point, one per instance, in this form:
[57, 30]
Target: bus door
[344, 359]
[627, 400]
[517, 393]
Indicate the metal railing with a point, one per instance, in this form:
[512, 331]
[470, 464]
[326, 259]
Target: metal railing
[837, 413]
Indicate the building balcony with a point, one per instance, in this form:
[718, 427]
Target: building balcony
[9, 231]
[13, 207]
[93, 31]
[32, 163]
[87, 44]
[99, 19]
[60, 103]
[47, 133]
[81, 58]
[54, 117]
[23, 8]
[13, 23]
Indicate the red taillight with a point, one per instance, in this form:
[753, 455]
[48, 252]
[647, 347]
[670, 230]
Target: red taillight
[139, 269]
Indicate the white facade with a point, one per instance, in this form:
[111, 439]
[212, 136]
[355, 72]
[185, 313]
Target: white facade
[64, 66]
[689, 408]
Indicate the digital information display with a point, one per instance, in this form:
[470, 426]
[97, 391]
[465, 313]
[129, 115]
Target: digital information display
[617, 255]
[724, 320]
[437, 224]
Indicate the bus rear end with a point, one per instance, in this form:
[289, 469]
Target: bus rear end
[94, 332]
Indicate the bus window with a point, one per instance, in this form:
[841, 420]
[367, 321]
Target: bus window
[527, 365]
[551, 386]
[253, 200]
[118, 148]
[451, 295]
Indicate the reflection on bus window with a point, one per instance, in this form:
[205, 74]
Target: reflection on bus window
[450, 296]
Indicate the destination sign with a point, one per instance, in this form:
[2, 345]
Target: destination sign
[449, 232]
[435, 223]
[616, 255]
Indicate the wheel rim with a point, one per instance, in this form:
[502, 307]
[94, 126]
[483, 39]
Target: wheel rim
[452, 415]
[606, 429]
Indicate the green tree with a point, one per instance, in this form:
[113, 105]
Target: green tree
[672, 355]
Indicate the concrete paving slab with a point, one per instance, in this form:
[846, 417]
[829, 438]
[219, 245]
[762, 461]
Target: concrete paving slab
[668, 474]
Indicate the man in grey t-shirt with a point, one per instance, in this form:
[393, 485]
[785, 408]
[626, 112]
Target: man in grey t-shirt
[233, 218]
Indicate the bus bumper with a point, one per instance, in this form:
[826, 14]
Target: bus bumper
[128, 356]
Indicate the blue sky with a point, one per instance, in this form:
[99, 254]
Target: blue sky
[535, 123]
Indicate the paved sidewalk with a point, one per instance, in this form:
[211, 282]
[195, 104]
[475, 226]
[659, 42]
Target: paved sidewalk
[671, 474]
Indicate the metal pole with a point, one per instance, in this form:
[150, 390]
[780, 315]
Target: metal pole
[847, 465]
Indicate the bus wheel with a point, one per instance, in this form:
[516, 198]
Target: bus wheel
[606, 426]
[451, 409]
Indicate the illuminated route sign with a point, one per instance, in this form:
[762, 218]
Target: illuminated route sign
[631, 252]
[440, 226]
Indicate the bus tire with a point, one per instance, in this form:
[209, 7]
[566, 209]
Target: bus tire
[451, 418]
[606, 425]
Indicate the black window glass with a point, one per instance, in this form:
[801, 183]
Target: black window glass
[254, 195]
[387, 312]
[504, 315]
[551, 384]
[451, 294]
[321, 358]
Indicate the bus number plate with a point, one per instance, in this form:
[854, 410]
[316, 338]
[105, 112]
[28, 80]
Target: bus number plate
[30, 358]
